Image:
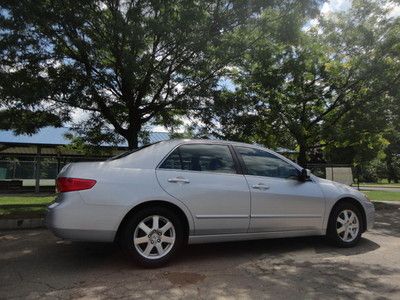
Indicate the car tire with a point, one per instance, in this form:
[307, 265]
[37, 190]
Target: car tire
[141, 233]
[345, 225]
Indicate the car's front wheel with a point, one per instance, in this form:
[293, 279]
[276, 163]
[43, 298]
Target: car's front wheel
[152, 236]
[345, 225]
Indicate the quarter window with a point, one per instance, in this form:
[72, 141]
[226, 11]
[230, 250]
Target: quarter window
[198, 157]
[263, 163]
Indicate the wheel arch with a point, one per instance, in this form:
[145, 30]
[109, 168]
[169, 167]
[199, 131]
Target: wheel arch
[357, 204]
[156, 203]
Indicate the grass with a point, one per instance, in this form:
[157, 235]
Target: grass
[15, 207]
[22, 212]
[382, 195]
[26, 200]
[379, 184]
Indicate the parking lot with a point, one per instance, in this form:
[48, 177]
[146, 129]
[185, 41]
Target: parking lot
[35, 264]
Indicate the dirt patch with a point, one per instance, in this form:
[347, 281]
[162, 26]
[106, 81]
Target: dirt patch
[184, 278]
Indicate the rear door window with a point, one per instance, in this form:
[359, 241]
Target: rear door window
[201, 157]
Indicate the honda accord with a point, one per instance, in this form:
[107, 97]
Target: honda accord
[155, 199]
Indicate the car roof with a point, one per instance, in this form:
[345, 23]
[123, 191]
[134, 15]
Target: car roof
[155, 153]
[176, 142]
[207, 141]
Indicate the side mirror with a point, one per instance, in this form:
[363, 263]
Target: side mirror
[304, 174]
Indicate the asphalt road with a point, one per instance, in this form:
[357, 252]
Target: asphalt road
[34, 264]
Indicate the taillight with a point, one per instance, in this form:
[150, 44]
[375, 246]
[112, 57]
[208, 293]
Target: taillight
[67, 184]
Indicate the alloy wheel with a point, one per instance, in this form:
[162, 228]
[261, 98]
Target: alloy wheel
[347, 225]
[154, 237]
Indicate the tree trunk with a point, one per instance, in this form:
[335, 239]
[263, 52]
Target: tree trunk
[302, 158]
[133, 136]
[133, 142]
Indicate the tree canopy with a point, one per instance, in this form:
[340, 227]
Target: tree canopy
[327, 88]
[277, 73]
[128, 63]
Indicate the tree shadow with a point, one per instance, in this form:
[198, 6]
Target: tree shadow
[325, 278]
[308, 266]
[271, 247]
[387, 219]
[277, 268]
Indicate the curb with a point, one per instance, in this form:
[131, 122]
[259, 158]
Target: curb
[386, 202]
[22, 223]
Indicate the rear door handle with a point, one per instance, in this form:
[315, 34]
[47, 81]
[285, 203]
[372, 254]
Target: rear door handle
[260, 186]
[178, 180]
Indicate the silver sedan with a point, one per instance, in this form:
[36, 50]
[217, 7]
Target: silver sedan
[155, 199]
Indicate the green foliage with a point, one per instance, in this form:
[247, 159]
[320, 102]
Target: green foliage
[392, 158]
[372, 171]
[126, 63]
[329, 90]
[24, 121]
[328, 87]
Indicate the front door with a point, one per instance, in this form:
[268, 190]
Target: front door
[205, 178]
[279, 201]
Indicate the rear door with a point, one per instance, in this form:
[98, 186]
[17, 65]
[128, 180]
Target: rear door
[205, 178]
[279, 201]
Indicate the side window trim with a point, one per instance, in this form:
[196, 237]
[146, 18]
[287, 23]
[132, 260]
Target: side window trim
[241, 166]
[167, 156]
[236, 163]
[180, 156]
[246, 171]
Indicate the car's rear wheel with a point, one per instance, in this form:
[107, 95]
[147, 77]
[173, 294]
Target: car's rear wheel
[152, 236]
[345, 225]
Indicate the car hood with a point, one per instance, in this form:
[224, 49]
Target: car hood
[339, 188]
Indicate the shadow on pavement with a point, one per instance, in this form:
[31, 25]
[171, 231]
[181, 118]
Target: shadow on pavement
[387, 220]
[73, 256]
[33, 260]
[283, 267]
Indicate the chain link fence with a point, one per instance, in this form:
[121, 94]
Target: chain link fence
[23, 173]
[342, 173]
[25, 168]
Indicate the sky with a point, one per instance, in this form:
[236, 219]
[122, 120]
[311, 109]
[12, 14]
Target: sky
[335, 5]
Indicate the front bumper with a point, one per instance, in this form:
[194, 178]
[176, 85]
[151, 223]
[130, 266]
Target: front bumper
[369, 214]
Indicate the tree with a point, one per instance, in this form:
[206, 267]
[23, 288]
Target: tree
[236, 113]
[128, 63]
[304, 87]
[392, 153]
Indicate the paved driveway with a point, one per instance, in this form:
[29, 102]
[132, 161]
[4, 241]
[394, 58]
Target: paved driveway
[34, 264]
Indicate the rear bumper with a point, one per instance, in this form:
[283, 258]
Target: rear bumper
[72, 219]
[74, 234]
[83, 235]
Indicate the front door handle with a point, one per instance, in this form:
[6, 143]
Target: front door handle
[260, 186]
[178, 180]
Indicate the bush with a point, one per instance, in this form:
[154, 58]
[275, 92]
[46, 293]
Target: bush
[373, 171]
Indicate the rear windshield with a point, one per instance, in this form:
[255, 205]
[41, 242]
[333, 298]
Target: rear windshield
[124, 154]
